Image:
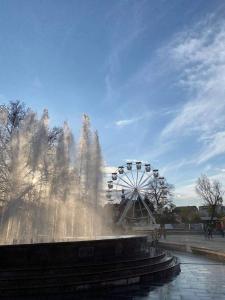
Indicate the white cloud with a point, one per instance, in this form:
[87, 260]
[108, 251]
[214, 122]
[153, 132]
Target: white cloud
[107, 174]
[121, 43]
[109, 169]
[220, 175]
[221, 170]
[185, 194]
[175, 166]
[214, 148]
[199, 57]
[126, 122]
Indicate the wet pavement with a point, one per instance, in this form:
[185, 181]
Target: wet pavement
[200, 278]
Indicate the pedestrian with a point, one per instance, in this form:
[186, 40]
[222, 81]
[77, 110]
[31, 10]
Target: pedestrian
[160, 231]
[222, 231]
[205, 228]
[210, 231]
[164, 232]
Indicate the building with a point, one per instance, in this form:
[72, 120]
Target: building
[205, 214]
[186, 214]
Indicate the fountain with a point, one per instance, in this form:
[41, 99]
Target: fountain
[51, 225]
[50, 188]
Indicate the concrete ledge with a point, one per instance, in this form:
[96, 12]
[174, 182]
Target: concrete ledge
[173, 246]
[183, 232]
[218, 256]
[215, 255]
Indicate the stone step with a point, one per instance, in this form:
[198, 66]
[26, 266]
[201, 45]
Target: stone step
[77, 276]
[81, 269]
[79, 282]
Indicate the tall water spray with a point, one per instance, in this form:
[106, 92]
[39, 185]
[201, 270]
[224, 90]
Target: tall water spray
[50, 188]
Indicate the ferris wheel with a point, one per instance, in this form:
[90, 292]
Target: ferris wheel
[131, 188]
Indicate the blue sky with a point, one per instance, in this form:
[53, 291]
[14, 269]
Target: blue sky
[150, 74]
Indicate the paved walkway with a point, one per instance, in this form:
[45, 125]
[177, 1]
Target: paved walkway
[217, 243]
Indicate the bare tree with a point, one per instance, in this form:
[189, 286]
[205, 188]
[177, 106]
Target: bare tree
[54, 134]
[160, 194]
[211, 193]
[16, 111]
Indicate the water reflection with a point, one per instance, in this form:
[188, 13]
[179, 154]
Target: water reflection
[200, 278]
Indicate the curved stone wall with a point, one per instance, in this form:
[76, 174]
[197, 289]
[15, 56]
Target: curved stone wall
[67, 253]
[66, 267]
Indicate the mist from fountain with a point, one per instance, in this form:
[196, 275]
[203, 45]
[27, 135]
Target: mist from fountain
[50, 188]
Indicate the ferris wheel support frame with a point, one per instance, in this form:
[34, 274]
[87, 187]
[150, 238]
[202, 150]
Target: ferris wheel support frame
[134, 186]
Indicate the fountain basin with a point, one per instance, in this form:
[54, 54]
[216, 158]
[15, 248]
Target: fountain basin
[66, 267]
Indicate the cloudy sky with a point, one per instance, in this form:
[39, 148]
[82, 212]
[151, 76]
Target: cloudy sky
[151, 75]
